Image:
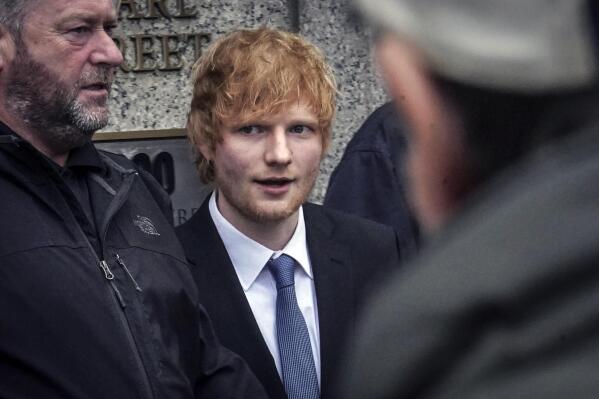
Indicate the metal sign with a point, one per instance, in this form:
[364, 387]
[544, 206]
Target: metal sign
[167, 156]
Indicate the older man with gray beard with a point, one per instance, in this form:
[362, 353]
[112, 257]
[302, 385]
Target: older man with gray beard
[96, 300]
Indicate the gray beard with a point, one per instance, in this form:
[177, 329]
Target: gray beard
[52, 111]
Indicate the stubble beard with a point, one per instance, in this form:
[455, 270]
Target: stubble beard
[52, 110]
[261, 213]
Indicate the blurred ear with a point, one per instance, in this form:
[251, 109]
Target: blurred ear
[438, 168]
[407, 80]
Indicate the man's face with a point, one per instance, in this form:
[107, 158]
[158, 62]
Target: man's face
[60, 77]
[265, 168]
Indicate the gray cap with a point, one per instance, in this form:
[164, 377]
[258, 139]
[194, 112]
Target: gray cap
[521, 45]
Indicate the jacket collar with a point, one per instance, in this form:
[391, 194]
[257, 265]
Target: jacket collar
[81, 158]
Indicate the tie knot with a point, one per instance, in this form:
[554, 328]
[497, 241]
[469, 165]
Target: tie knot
[282, 269]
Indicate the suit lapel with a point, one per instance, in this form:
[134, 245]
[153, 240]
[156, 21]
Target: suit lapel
[334, 285]
[222, 294]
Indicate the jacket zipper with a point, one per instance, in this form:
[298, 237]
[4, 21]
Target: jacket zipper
[106, 269]
[119, 199]
[109, 276]
[121, 262]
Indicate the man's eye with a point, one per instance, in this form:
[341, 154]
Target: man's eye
[251, 129]
[80, 30]
[79, 33]
[300, 129]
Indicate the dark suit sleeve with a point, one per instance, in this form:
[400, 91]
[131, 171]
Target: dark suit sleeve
[223, 374]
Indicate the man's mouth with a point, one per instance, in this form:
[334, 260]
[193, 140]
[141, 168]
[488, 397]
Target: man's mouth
[97, 80]
[274, 182]
[96, 86]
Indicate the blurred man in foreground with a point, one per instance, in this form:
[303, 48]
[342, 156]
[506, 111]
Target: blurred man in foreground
[502, 100]
[95, 294]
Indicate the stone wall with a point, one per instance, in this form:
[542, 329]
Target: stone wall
[162, 38]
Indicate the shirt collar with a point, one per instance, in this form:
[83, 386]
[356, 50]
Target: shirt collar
[85, 157]
[5, 130]
[248, 256]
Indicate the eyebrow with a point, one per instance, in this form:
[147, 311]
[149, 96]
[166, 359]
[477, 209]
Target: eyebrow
[265, 122]
[90, 18]
[300, 118]
[304, 121]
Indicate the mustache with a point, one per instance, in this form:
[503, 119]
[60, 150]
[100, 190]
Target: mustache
[102, 74]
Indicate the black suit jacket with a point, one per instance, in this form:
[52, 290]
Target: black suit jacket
[348, 256]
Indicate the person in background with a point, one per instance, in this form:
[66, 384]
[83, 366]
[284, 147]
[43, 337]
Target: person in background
[95, 294]
[369, 181]
[501, 98]
[281, 278]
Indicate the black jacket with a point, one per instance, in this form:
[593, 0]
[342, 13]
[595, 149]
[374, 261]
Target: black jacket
[118, 321]
[350, 256]
[369, 180]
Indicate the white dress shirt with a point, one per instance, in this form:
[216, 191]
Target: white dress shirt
[249, 260]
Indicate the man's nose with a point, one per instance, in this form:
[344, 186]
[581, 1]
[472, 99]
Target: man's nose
[106, 50]
[278, 150]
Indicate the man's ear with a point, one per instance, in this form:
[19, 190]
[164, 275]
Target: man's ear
[7, 47]
[440, 174]
[408, 82]
[206, 150]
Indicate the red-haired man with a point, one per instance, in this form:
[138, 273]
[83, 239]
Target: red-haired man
[260, 122]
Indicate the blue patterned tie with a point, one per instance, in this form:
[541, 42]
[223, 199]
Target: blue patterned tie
[299, 372]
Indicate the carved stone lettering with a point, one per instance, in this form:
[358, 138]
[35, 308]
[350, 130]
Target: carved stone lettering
[171, 55]
[134, 9]
[184, 12]
[157, 8]
[144, 53]
[131, 6]
[141, 51]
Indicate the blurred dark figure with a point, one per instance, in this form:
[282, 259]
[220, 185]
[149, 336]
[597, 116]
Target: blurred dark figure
[368, 181]
[502, 102]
